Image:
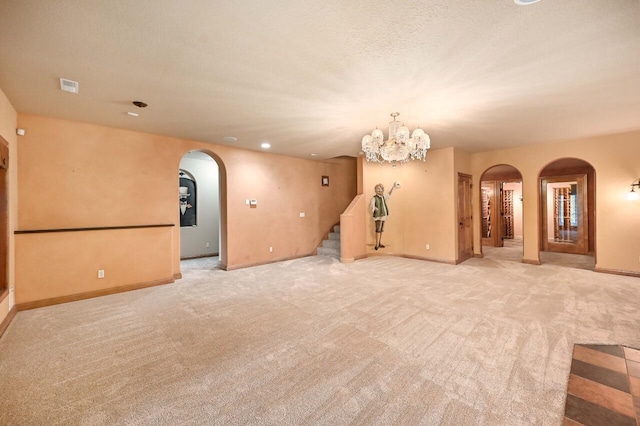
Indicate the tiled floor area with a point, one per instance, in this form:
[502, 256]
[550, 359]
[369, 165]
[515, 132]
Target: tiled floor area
[604, 386]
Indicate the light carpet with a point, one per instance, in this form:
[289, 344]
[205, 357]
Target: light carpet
[381, 341]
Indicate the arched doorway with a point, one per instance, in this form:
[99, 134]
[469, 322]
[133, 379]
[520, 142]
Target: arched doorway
[201, 208]
[501, 212]
[567, 213]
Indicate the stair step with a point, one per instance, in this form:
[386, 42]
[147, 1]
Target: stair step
[336, 229]
[331, 243]
[334, 236]
[329, 252]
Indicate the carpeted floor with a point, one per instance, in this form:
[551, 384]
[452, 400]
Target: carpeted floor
[381, 341]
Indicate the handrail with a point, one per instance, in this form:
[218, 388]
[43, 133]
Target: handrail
[99, 228]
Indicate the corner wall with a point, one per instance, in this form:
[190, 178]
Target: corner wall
[423, 211]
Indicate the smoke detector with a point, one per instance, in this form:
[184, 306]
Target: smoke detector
[68, 85]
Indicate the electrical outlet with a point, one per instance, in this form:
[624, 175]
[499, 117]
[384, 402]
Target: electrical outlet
[270, 249]
[207, 245]
[427, 246]
[100, 273]
[302, 214]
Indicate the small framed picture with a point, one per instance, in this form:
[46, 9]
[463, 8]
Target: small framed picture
[325, 180]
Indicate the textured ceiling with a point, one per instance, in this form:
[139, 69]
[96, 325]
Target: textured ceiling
[313, 76]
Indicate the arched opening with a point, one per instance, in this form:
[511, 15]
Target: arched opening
[567, 213]
[202, 209]
[501, 212]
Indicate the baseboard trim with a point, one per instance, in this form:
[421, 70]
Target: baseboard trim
[7, 320]
[200, 256]
[251, 265]
[617, 272]
[478, 255]
[430, 259]
[90, 294]
[531, 262]
[177, 276]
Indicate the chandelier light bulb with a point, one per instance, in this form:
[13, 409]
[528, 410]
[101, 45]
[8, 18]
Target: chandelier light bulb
[401, 146]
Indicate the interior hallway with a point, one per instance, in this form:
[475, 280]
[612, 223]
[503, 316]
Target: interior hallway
[384, 340]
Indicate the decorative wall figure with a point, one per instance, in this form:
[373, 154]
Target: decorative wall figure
[380, 210]
[188, 198]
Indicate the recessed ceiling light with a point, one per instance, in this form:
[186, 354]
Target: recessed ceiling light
[265, 145]
[133, 114]
[230, 138]
[525, 2]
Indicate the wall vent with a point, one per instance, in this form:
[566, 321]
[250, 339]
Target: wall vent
[68, 85]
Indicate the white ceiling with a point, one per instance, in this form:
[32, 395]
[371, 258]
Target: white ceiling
[313, 76]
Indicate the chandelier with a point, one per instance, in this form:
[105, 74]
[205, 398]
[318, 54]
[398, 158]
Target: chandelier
[399, 147]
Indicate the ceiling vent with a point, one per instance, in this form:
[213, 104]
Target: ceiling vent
[68, 85]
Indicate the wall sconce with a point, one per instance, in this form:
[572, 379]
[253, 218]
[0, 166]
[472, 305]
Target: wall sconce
[633, 195]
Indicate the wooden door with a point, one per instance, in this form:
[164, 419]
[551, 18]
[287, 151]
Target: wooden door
[564, 214]
[487, 199]
[465, 224]
[491, 196]
[4, 209]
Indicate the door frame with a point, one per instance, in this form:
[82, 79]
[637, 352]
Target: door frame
[496, 214]
[465, 217]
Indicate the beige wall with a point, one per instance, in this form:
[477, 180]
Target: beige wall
[284, 187]
[67, 262]
[76, 175]
[615, 160]
[8, 120]
[423, 211]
